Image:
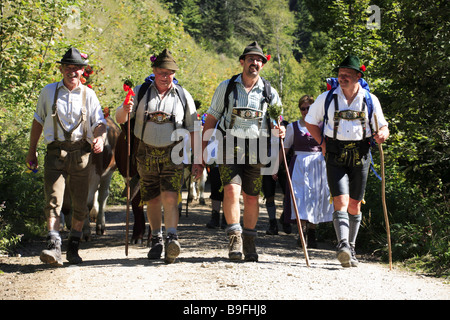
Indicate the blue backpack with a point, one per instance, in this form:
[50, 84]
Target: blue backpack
[332, 84]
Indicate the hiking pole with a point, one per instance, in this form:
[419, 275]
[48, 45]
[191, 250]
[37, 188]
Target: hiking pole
[127, 222]
[383, 196]
[127, 86]
[274, 112]
[188, 191]
[291, 189]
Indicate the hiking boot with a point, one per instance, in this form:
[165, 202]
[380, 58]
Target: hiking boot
[157, 247]
[353, 261]
[52, 255]
[72, 251]
[273, 227]
[235, 245]
[344, 254]
[215, 220]
[173, 248]
[249, 247]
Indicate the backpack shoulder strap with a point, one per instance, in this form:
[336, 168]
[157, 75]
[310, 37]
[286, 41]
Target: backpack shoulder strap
[230, 87]
[369, 104]
[267, 91]
[328, 100]
[143, 89]
[179, 90]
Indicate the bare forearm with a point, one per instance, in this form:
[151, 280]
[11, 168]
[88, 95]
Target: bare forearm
[121, 115]
[36, 131]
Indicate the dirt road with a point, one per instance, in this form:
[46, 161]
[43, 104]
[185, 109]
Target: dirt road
[203, 271]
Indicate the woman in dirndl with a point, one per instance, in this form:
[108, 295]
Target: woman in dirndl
[309, 179]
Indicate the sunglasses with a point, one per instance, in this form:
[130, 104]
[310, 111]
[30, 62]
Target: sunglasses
[304, 109]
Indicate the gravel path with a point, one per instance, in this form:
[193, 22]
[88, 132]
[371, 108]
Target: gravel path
[203, 271]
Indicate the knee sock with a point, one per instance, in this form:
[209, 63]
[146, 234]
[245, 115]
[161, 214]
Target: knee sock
[215, 204]
[341, 225]
[157, 232]
[354, 223]
[171, 230]
[75, 234]
[271, 210]
[54, 234]
[250, 232]
[233, 227]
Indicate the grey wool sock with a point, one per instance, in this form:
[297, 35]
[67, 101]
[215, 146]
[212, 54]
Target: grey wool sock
[341, 225]
[354, 224]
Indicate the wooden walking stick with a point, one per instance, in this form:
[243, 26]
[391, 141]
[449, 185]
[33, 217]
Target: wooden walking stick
[274, 113]
[127, 86]
[383, 196]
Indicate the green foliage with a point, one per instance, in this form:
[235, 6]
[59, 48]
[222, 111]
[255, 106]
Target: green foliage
[30, 42]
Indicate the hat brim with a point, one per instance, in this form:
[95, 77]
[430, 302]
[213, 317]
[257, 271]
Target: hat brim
[349, 67]
[74, 62]
[166, 65]
[242, 57]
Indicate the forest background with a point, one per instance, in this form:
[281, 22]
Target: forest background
[403, 44]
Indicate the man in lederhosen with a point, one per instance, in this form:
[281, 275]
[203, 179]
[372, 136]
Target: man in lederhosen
[242, 116]
[71, 119]
[345, 144]
[164, 108]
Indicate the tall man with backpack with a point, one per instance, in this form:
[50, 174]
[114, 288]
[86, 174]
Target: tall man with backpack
[240, 105]
[164, 108]
[347, 113]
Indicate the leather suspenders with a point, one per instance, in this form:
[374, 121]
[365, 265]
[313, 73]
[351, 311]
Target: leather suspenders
[57, 120]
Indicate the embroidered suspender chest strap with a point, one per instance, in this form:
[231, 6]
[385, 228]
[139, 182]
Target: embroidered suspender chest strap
[160, 116]
[348, 115]
[57, 120]
[246, 113]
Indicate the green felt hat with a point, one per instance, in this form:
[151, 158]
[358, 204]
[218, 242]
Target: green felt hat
[351, 62]
[165, 60]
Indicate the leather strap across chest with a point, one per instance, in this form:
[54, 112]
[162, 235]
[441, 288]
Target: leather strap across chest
[57, 120]
[348, 115]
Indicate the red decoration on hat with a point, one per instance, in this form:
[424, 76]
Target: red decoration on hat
[268, 57]
[363, 68]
